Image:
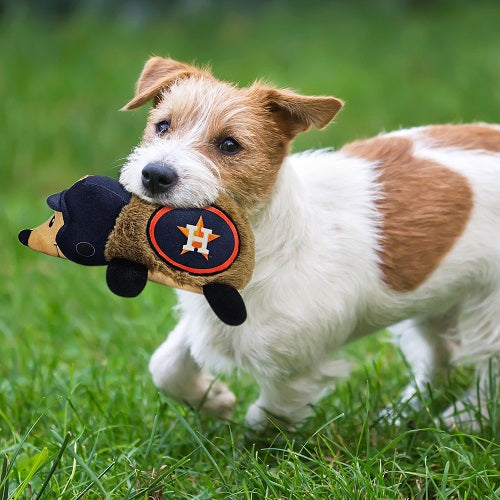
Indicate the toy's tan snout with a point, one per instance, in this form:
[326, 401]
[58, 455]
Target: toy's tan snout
[43, 238]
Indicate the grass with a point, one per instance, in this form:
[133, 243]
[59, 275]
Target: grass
[79, 415]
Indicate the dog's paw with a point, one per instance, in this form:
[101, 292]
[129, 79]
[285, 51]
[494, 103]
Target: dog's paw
[256, 419]
[219, 401]
[390, 416]
[401, 411]
[261, 421]
[460, 417]
[403, 417]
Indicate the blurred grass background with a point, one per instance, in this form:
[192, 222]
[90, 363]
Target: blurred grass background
[75, 354]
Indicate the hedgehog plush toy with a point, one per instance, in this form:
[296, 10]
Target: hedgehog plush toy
[207, 250]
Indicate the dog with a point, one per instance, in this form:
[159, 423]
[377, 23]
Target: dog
[401, 229]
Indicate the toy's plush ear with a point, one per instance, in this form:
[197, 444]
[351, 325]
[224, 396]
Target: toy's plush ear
[43, 238]
[159, 73]
[226, 302]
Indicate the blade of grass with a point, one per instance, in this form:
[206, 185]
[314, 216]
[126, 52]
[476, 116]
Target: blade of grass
[153, 431]
[164, 473]
[444, 479]
[82, 464]
[18, 449]
[40, 459]
[4, 490]
[80, 495]
[196, 437]
[54, 465]
[324, 426]
[10, 425]
[71, 476]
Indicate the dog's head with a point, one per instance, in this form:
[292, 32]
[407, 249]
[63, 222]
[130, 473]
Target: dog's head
[204, 136]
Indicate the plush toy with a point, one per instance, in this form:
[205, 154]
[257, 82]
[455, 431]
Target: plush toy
[207, 250]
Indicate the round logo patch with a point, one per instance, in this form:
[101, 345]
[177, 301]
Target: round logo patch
[197, 240]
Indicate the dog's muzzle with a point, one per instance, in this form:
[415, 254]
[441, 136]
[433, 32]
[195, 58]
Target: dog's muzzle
[158, 178]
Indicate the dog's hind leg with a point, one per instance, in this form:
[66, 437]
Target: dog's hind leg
[426, 347]
[475, 404]
[478, 343]
[177, 374]
[285, 402]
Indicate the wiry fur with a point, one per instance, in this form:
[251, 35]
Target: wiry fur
[320, 246]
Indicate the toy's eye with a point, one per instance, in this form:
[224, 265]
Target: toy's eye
[162, 127]
[52, 220]
[229, 146]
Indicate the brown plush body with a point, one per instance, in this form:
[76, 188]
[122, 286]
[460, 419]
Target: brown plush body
[127, 241]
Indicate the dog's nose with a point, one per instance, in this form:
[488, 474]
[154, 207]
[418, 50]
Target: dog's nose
[24, 236]
[157, 178]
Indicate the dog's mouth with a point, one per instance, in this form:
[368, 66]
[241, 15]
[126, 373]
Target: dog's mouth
[161, 197]
[157, 199]
[176, 197]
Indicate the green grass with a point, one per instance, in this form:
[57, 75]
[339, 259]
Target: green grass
[78, 411]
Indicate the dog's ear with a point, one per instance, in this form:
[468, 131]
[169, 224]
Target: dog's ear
[295, 113]
[159, 73]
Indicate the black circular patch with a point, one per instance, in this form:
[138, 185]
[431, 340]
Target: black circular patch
[196, 240]
[85, 249]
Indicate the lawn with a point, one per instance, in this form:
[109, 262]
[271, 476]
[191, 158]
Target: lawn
[79, 415]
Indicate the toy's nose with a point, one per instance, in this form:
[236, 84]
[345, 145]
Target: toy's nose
[158, 178]
[24, 236]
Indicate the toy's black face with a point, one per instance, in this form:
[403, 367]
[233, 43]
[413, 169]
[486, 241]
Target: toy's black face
[90, 208]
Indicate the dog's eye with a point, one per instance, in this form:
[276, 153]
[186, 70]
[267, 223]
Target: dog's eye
[51, 221]
[229, 146]
[162, 127]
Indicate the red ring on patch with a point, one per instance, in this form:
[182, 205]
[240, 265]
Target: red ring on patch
[221, 267]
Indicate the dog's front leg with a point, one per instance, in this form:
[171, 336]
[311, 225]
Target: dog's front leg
[177, 374]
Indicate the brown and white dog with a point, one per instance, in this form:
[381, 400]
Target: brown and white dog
[400, 229]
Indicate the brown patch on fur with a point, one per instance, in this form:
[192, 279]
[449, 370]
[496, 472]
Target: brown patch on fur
[249, 176]
[128, 241]
[425, 208]
[475, 136]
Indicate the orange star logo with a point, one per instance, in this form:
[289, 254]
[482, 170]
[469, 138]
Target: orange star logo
[198, 238]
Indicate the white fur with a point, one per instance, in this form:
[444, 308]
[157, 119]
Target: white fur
[317, 284]
[198, 183]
